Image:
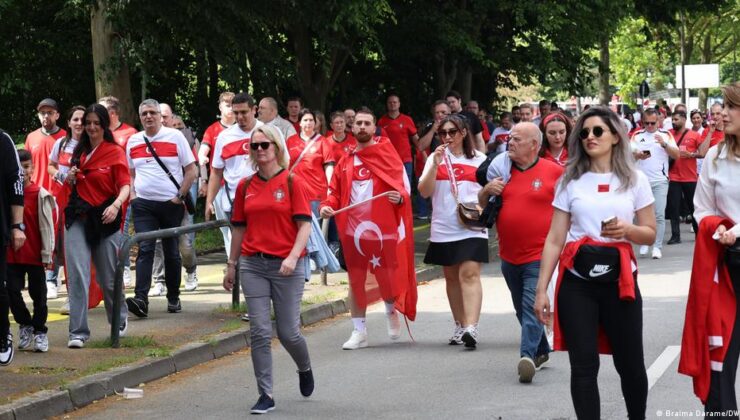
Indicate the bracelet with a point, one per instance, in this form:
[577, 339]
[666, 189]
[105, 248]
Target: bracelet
[231, 263]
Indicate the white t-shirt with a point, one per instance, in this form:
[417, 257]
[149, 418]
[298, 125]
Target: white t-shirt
[501, 134]
[151, 182]
[232, 155]
[656, 166]
[446, 226]
[594, 197]
[62, 157]
[717, 192]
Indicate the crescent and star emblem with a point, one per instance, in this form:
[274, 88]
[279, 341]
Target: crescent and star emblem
[372, 227]
[363, 172]
[458, 172]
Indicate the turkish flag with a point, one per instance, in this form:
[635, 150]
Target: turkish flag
[377, 237]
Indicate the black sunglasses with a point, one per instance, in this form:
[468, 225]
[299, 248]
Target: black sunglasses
[444, 133]
[649, 123]
[263, 144]
[598, 132]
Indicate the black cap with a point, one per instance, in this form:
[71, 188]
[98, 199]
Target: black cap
[48, 102]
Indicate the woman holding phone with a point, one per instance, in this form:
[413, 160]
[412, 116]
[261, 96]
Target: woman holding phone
[591, 239]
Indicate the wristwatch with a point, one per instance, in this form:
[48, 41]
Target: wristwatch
[19, 226]
[180, 196]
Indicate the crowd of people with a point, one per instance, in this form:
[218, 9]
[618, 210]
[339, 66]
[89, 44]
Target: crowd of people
[569, 197]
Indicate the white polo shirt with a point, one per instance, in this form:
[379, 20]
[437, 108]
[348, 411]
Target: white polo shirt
[656, 166]
[151, 182]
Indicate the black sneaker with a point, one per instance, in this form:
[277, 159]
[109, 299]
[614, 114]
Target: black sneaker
[245, 317]
[173, 306]
[138, 307]
[674, 240]
[264, 404]
[6, 350]
[541, 360]
[305, 382]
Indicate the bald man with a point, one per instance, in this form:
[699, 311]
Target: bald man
[267, 111]
[526, 185]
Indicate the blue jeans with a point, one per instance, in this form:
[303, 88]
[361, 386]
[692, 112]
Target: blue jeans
[421, 202]
[522, 283]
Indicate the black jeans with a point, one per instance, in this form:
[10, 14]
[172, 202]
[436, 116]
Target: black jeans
[583, 307]
[4, 301]
[148, 216]
[678, 193]
[36, 288]
[721, 396]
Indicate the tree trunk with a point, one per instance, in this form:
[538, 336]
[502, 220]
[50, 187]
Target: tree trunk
[111, 70]
[445, 78]
[604, 95]
[213, 91]
[466, 84]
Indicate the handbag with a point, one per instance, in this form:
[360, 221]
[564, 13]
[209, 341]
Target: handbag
[600, 264]
[188, 199]
[469, 214]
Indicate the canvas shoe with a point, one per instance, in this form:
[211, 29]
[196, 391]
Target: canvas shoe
[76, 343]
[526, 369]
[52, 292]
[657, 254]
[191, 282]
[644, 250]
[356, 341]
[159, 289]
[264, 404]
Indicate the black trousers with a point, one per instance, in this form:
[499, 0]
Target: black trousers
[36, 288]
[583, 307]
[678, 193]
[4, 302]
[722, 384]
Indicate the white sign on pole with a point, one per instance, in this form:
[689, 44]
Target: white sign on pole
[699, 76]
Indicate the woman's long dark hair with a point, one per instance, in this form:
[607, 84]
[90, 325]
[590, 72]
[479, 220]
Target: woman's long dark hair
[68, 137]
[554, 116]
[84, 146]
[461, 124]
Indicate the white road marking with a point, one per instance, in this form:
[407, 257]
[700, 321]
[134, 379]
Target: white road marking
[659, 366]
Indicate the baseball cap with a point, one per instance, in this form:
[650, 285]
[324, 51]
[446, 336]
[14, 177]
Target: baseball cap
[48, 102]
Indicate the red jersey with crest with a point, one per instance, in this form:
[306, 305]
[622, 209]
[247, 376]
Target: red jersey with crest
[40, 144]
[446, 226]
[400, 130]
[270, 209]
[123, 133]
[684, 169]
[312, 164]
[524, 219]
[343, 148]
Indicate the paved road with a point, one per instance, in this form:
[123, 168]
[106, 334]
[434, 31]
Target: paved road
[427, 378]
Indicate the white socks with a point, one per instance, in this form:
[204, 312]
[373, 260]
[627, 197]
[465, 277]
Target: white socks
[359, 324]
[389, 309]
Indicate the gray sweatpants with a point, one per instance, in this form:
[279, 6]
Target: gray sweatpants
[261, 281]
[77, 257]
[660, 192]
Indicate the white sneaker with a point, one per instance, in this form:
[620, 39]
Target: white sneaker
[126, 277]
[123, 328]
[6, 350]
[470, 336]
[394, 325]
[657, 254]
[159, 289]
[76, 343]
[41, 343]
[25, 335]
[51, 291]
[191, 283]
[644, 250]
[456, 338]
[64, 310]
[356, 341]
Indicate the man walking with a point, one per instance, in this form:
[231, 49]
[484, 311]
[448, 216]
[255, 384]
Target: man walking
[682, 175]
[268, 114]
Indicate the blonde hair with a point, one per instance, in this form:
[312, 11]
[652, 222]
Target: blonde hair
[731, 94]
[275, 138]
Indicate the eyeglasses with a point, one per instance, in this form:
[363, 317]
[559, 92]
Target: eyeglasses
[46, 113]
[649, 123]
[147, 113]
[263, 144]
[598, 132]
[444, 133]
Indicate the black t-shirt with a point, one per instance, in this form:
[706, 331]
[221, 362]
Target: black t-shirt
[435, 138]
[473, 121]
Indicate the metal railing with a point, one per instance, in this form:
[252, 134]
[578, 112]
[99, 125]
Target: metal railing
[123, 259]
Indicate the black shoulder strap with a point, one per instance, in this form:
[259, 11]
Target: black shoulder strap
[161, 164]
[682, 136]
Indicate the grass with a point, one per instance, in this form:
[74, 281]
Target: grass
[44, 370]
[325, 297]
[164, 351]
[110, 364]
[232, 325]
[208, 240]
[125, 342]
[229, 310]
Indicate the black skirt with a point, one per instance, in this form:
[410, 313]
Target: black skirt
[456, 252]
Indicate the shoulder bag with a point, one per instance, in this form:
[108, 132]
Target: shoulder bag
[188, 200]
[469, 214]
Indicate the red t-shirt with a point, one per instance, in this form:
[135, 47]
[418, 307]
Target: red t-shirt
[684, 169]
[524, 219]
[210, 136]
[343, 148]
[30, 252]
[311, 167]
[40, 145]
[717, 137]
[122, 133]
[270, 209]
[296, 125]
[103, 174]
[399, 130]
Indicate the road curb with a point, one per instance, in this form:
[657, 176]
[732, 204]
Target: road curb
[86, 390]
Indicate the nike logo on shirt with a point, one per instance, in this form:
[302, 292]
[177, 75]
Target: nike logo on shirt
[599, 270]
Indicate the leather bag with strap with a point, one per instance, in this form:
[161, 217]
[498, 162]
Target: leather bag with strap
[469, 214]
[188, 200]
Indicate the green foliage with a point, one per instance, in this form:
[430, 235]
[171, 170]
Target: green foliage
[633, 57]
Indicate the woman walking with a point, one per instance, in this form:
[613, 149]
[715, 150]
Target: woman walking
[269, 233]
[556, 128]
[601, 193]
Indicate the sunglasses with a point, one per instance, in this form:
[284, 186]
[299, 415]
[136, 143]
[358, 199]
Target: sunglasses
[263, 144]
[598, 132]
[444, 133]
[147, 113]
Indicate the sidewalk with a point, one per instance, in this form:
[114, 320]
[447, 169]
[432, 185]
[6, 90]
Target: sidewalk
[162, 344]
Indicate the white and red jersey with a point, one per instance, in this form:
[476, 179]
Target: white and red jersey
[446, 226]
[656, 166]
[151, 182]
[232, 155]
[501, 135]
[63, 158]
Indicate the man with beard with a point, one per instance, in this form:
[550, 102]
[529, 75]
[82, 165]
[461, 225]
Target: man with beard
[376, 235]
[682, 174]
